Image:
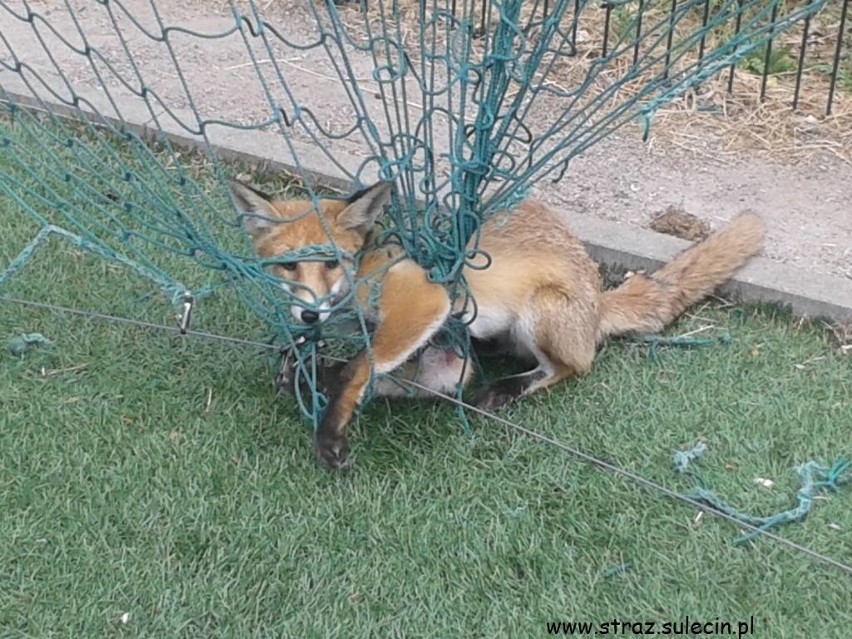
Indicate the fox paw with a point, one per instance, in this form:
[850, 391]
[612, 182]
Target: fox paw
[332, 451]
[493, 398]
[327, 380]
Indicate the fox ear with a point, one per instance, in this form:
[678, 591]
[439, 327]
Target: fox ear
[364, 207]
[256, 207]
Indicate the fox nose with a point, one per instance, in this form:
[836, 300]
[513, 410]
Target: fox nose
[309, 317]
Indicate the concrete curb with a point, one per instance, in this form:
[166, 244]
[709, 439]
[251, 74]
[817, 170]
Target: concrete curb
[805, 293]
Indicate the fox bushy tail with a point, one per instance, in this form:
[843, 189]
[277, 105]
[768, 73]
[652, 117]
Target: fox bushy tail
[647, 303]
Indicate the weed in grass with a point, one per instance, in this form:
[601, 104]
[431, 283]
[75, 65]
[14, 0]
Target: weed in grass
[780, 60]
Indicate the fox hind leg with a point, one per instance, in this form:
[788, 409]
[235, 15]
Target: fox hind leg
[559, 332]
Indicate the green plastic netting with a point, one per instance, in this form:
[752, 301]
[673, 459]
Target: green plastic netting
[465, 105]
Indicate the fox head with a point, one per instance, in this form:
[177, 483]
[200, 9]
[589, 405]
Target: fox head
[282, 230]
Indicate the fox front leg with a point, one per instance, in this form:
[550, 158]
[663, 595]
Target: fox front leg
[410, 310]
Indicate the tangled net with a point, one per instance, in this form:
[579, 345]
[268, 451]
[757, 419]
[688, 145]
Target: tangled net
[460, 114]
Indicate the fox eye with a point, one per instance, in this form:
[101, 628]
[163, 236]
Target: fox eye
[332, 264]
[289, 266]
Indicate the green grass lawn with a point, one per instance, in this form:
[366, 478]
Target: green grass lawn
[162, 477]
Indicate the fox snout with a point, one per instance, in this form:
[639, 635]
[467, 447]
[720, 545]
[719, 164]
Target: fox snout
[317, 294]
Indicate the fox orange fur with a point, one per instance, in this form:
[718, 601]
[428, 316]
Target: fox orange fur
[541, 295]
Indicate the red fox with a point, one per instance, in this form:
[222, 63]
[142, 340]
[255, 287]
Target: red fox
[540, 296]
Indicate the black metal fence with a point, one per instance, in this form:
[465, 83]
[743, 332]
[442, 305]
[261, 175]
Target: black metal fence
[838, 70]
[842, 50]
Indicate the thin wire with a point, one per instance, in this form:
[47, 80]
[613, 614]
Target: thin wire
[647, 483]
[638, 479]
[133, 322]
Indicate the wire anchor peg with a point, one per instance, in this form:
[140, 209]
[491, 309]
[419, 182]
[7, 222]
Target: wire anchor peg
[186, 312]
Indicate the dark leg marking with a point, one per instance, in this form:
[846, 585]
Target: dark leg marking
[491, 347]
[331, 446]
